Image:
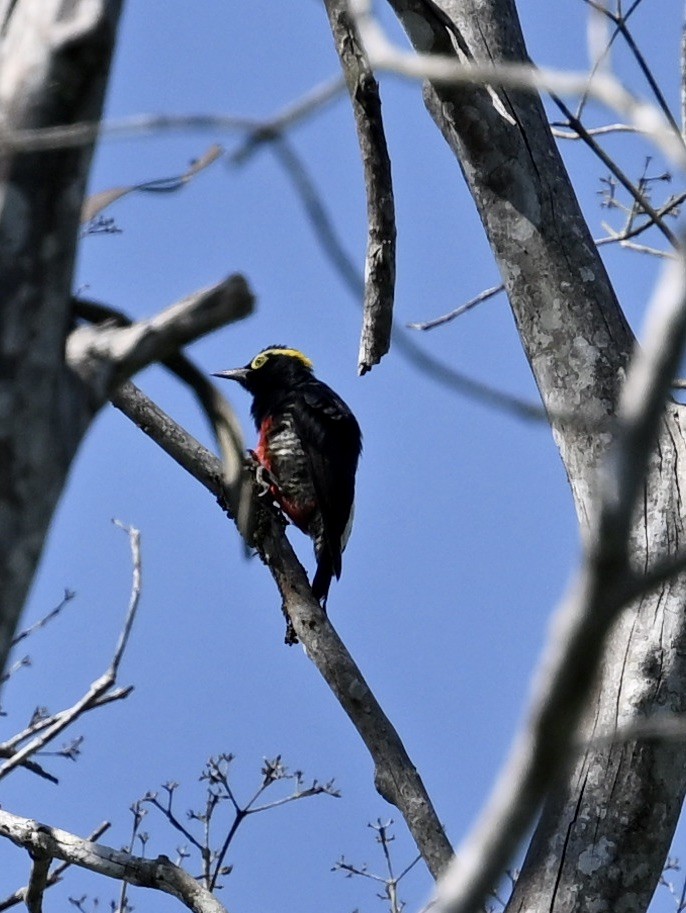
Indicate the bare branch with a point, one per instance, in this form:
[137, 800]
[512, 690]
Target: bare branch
[41, 723]
[54, 877]
[559, 132]
[568, 668]
[462, 309]
[216, 407]
[620, 22]
[446, 70]
[97, 202]
[135, 543]
[437, 370]
[160, 873]
[395, 776]
[380, 259]
[99, 690]
[103, 356]
[669, 208]
[276, 126]
[38, 882]
[610, 163]
[42, 622]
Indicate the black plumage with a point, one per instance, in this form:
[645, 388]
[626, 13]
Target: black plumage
[310, 442]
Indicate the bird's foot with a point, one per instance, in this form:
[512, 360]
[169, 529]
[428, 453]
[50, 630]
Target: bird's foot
[264, 480]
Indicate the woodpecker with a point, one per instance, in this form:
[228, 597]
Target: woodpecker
[310, 443]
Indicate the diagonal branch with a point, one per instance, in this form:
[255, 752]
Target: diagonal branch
[396, 778]
[640, 198]
[104, 356]
[216, 407]
[379, 284]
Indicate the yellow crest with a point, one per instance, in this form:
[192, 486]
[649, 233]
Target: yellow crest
[263, 356]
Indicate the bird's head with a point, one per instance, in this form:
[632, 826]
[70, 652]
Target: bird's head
[273, 367]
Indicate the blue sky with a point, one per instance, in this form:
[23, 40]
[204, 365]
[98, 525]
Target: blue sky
[465, 533]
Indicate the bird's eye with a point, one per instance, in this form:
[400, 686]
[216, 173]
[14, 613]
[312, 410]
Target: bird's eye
[258, 361]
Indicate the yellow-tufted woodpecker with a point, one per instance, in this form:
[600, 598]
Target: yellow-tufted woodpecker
[310, 443]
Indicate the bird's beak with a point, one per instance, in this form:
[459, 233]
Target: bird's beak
[238, 374]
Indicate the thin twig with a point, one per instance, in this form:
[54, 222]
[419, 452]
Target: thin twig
[610, 163]
[135, 544]
[446, 318]
[294, 112]
[42, 622]
[42, 723]
[100, 688]
[559, 132]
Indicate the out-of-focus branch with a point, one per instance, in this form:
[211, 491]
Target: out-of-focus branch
[47, 842]
[216, 407]
[568, 668]
[379, 283]
[446, 70]
[396, 778]
[620, 21]
[558, 131]
[95, 203]
[267, 130]
[423, 361]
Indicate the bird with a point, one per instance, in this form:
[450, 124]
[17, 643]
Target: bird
[309, 442]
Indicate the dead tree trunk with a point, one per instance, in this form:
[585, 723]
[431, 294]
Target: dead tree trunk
[54, 62]
[604, 834]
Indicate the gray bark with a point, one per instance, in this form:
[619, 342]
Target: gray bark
[54, 61]
[604, 833]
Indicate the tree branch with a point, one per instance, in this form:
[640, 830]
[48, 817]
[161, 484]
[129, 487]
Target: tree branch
[216, 407]
[99, 690]
[445, 70]
[380, 259]
[54, 877]
[395, 776]
[103, 356]
[52, 843]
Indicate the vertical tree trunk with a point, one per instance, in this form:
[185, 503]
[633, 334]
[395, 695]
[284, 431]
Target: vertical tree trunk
[604, 834]
[54, 62]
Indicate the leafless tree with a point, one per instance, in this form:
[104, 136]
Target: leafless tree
[607, 771]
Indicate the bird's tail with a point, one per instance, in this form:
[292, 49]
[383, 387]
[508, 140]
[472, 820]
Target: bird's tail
[322, 580]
